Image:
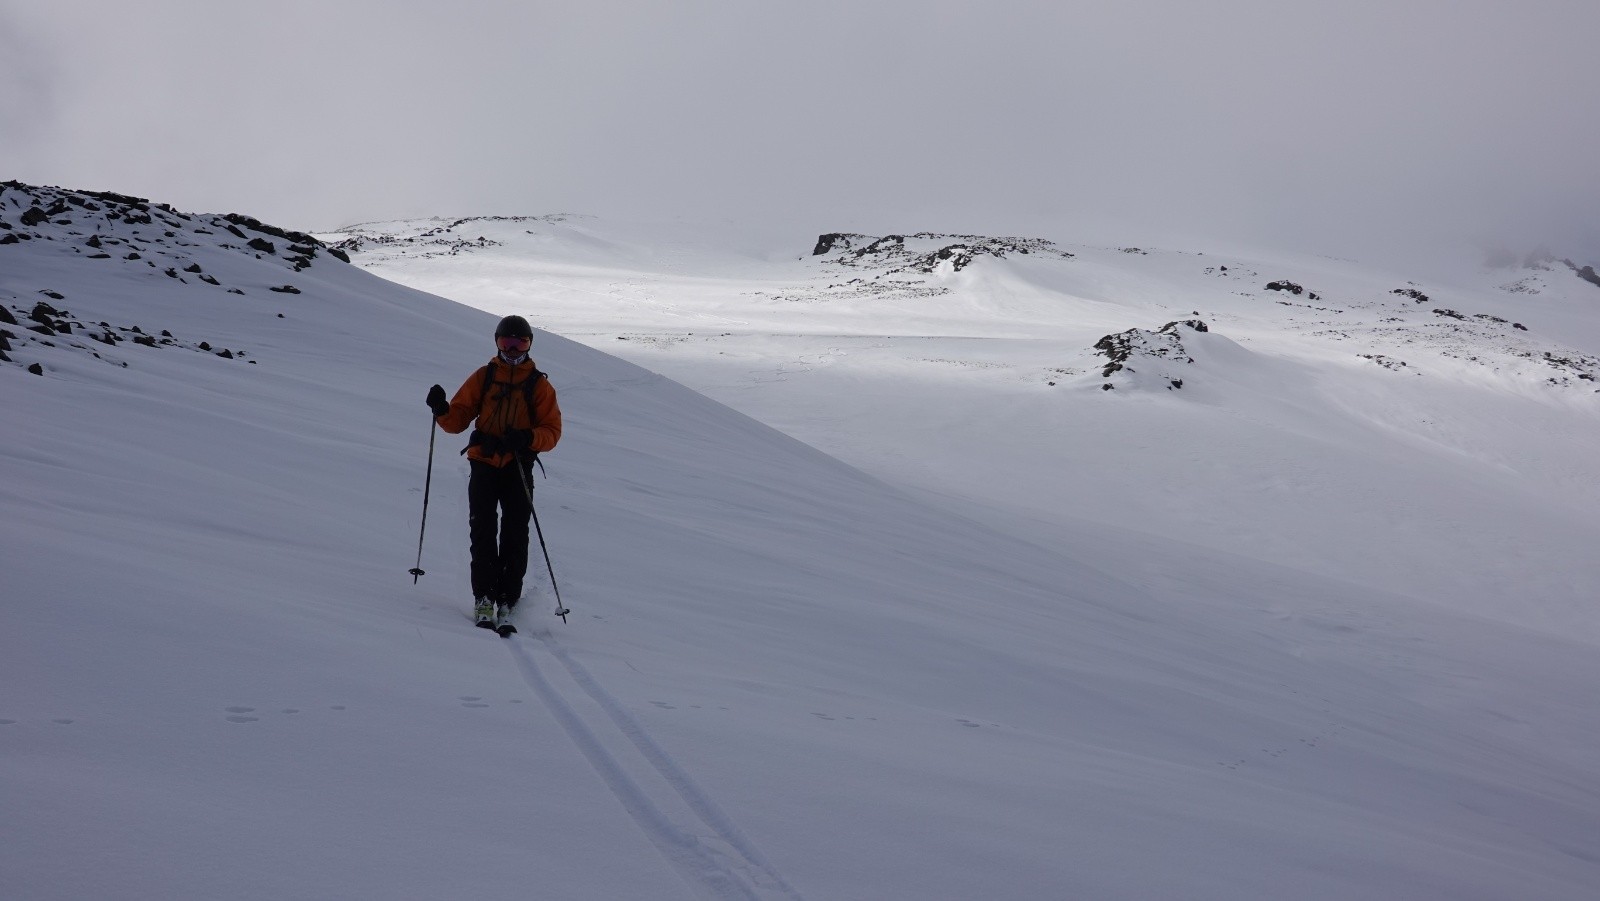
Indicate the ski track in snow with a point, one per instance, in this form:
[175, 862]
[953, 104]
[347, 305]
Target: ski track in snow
[721, 865]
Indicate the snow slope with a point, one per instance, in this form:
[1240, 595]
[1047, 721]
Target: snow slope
[1430, 438]
[782, 678]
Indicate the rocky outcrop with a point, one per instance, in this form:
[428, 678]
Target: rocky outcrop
[1157, 354]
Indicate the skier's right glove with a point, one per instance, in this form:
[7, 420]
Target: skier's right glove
[436, 401]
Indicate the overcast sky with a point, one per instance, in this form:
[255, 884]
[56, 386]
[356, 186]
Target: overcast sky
[1343, 126]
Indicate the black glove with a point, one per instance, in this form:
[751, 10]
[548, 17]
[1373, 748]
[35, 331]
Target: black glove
[436, 401]
[520, 441]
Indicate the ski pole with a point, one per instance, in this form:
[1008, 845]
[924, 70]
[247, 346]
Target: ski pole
[527, 488]
[427, 486]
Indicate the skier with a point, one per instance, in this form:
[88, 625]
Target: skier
[517, 418]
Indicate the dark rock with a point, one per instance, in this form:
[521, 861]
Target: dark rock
[133, 256]
[6, 316]
[33, 216]
[36, 369]
[293, 237]
[237, 233]
[339, 255]
[825, 243]
[192, 267]
[9, 238]
[94, 241]
[263, 245]
[53, 295]
[146, 340]
[121, 199]
[225, 353]
[1450, 314]
[98, 256]
[210, 280]
[1519, 326]
[43, 329]
[43, 312]
[1289, 286]
[286, 289]
[1412, 293]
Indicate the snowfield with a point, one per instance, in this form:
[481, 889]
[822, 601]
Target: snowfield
[869, 609]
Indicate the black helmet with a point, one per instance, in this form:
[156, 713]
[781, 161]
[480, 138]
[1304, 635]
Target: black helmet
[514, 327]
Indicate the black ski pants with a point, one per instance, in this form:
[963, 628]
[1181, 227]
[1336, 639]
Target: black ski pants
[497, 515]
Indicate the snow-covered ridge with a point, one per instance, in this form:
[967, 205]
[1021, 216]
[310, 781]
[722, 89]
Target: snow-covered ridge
[1390, 322]
[135, 242]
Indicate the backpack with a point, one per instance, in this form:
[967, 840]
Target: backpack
[528, 384]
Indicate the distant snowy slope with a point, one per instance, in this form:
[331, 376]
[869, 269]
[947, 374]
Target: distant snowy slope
[1431, 438]
[782, 677]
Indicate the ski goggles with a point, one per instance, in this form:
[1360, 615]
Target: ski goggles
[513, 342]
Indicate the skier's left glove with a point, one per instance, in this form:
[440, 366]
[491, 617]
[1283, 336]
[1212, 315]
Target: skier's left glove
[520, 441]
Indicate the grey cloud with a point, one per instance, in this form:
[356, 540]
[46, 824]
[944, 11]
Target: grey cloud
[1357, 127]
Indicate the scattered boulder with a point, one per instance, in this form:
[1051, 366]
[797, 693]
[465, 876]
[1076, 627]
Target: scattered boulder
[263, 245]
[33, 216]
[1286, 285]
[285, 289]
[1412, 293]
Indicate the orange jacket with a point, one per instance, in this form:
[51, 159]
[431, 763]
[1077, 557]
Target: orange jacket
[504, 408]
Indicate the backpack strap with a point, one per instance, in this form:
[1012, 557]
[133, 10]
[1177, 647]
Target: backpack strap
[528, 384]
